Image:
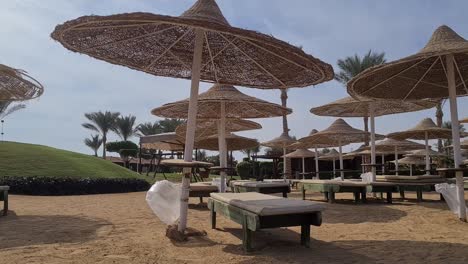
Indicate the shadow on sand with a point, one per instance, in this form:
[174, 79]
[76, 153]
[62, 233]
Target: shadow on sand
[28, 230]
[375, 213]
[282, 245]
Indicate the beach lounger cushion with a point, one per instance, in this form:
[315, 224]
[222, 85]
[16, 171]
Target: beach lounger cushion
[267, 205]
[202, 186]
[411, 178]
[261, 184]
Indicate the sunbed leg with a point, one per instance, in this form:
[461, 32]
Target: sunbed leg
[402, 192]
[303, 192]
[419, 194]
[285, 195]
[381, 195]
[201, 199]
[325, 195]
[213, 215]
[442, 197]
[331, 197]
[305, 235]
[5, 203]
[246, 235]
[364, 196]
[389, 197]
[356, 197]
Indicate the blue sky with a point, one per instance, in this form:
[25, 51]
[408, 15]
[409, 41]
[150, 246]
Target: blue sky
[328, 29]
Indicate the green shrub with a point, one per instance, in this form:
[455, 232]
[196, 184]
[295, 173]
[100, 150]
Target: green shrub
[243, 169]
[72, 186]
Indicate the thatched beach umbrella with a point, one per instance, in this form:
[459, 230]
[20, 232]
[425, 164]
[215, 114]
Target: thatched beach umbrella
[17, 85]
[397, 146]
[284, 141]
[233, 143]
[465, 120]
[424, 130]
[410, 161]
[164, 141]
[222, 102]
[333, 155]
[199, 45]
[439, 70]
[207, 128]
[301, 153]
[424, 153]
[339, 133]
[351, 107]
[315, 147]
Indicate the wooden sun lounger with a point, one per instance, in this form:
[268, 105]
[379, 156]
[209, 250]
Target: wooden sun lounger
[255, 211]
[202, 189]
[4, 197]
[358, 188]
[262, 187]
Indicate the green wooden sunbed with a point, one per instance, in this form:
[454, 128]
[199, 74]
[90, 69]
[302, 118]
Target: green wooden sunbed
[262, 187]
[202, 189]
[256, 211]
[4, 197]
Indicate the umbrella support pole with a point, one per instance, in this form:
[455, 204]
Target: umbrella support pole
[284, 164]
[222, 146]
[456, 134]
[303, 168]
[191, 125]
[396, 161]
[373, 158]
[334, 167]
[341, 161]
[317, 174]
[428, 161]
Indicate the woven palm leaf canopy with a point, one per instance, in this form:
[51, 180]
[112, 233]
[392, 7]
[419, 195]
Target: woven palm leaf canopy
[423, 153]
[233, 142]
[333, 155]
[222, 102]
[339, 134]
[164, 141]
[199, 45]
[284, 141]
[301, 153]
[439, 70]
[465, 120]
[207, 128]
[424, 130]
[316, 147]
[410, 161]
[351, 107]
[17, 85]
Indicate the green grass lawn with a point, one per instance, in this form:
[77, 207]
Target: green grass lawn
[19, 159]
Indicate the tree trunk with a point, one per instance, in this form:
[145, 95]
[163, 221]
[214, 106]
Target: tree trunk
[104, 140]
[95, 153]
[366, 128]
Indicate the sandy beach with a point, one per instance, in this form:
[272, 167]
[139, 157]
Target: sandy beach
[120, 228]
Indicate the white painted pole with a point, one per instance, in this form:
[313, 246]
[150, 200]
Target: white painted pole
[411, 169]
[341, 161]
[456, 136]
[222, 146]
[317, 164]
[396, 161]
[334, 167]
[373, 158]
[284, 163]
[428, 160]
[191, 125]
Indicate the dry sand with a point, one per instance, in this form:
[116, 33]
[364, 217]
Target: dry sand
[120, 228]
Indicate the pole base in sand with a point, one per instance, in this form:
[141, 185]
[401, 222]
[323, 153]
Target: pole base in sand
[174, 234]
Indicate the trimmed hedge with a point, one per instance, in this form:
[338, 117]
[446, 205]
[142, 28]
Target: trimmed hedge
[72, 186]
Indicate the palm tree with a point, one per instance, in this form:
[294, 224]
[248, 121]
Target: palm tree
[352, 66]
[146, 129]
[125, 127]
[102, 123]
[284, 103]
[170, 125]
[251, 150]
[94, 143]
[6, 109]
[440, 119]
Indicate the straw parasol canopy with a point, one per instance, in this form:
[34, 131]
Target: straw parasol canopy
[199, 45]
[351, 107]
[186, 164]
[234, 143]
[237, 105]
[207, 128]
[165, 141]
[339, 134]
[17, 85]
[411, 161]
[439, 70]
[390, 144]
[423, 152]
[300, 153]
[423, 128]
[283, 141]
[465, 120]
[164, 46]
